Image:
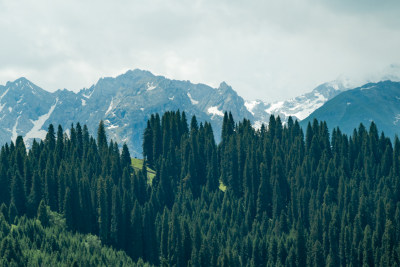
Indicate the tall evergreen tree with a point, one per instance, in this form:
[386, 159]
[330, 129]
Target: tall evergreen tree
[101, 137]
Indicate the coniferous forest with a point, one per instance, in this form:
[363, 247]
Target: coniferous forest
[278, 196]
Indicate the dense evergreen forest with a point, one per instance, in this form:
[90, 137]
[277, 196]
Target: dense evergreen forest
[268, 197]
[46, 242]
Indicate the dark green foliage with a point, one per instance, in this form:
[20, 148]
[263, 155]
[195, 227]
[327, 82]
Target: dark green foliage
[268, 197]
[28, 243]
[68, 212]
[42, 214]
[18, 194]
[35, 195]
[11, 252]
[12, 212]
[101, 137]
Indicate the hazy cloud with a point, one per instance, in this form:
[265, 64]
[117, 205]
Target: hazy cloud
[264, 49]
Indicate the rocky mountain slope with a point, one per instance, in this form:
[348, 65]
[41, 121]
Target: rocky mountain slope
[378, 102]
[126, 102]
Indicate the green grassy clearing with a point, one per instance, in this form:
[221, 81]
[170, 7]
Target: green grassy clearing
[222, 187]
[137, 164]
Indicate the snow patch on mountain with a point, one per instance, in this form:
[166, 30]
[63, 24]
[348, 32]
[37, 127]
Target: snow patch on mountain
[215, 111]
[251, 104]
[257, 125]
[110, 107]
[274, 107]
[299, 107]
[367, 88]
[396, 119]
[83, 102]
[150, 86]
[36, 131]
[89, 95]
[14, 131]
[29, 84]
[194, 102]
[309, 106]
[112, 127]
[335, 86]
[1, 97]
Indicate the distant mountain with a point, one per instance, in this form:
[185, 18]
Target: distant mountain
[124, 103]
[24, 108]
[299, 107]
[378, 102]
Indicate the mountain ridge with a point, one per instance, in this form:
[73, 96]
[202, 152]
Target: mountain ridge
[299, 107]
[126, 101]
[378, 102]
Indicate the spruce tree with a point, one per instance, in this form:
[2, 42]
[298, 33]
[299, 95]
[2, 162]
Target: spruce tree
[42, 214]
[18, 194]
[101, 137]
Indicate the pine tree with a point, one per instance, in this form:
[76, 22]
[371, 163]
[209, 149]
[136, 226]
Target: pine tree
[126, 158]
[101, 137]
[186, 244]
[12, 212]
[150, 252]
[4, 184]
[317, 255]
[36, 194]
[115, 217]
[136, 246]
[194, 126]
[102, 211]
[18, 194]
[59, 150]
[42, 214]
[50, 139]
[157, 139]
[68, 210]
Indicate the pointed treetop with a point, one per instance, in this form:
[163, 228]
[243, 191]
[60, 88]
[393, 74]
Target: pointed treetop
[101, 136]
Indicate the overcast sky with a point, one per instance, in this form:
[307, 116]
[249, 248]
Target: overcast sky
[269, 50]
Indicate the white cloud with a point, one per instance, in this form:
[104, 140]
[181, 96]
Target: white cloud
[265, 49]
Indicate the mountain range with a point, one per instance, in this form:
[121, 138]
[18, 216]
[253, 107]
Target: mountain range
[125, 103]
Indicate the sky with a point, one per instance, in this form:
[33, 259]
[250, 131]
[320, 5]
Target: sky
[268, 50]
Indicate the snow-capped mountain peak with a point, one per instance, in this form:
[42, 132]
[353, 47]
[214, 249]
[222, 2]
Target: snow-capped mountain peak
[125, 102]
[251, 104]
[299, 107]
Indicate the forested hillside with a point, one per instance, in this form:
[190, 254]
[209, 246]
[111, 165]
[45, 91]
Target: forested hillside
[289, 198]
[46, 242]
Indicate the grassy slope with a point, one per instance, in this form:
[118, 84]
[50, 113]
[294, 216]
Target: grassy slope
[222, 187]
[137, 164]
